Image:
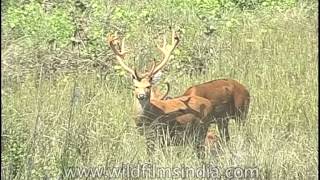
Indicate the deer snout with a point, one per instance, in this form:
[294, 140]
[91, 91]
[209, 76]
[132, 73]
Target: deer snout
[141, 96]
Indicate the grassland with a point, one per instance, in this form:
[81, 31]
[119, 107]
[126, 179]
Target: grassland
[54, 120]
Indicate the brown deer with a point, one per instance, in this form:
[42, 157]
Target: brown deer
[173, 121]
[230, 99]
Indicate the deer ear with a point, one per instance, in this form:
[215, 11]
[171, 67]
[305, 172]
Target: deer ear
[156, 78]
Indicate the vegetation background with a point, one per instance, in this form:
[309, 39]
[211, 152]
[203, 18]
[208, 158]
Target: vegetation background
[66, 102]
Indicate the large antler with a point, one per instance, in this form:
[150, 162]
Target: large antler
[113, 41]
[166, 49]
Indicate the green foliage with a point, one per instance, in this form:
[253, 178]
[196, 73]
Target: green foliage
[30, 20]
[84, 24]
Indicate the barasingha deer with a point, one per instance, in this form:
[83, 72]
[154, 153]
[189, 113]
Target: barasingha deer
[174, 121]
[230, 99]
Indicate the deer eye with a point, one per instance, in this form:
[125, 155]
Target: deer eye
[148, 87]
[134, 87]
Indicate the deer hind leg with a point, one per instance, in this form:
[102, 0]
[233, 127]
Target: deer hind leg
[244, 111]
[241, 114]
[199, 145]
[223, 128]
[226, 129]
[241, 104]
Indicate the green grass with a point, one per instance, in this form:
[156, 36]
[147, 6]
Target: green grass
[51, 122]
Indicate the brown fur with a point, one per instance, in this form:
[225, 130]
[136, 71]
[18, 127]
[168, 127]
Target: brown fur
[229, 98]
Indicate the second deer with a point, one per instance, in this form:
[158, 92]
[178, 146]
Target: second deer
[230, 100]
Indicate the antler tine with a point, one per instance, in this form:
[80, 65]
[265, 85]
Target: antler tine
[164, 41]
[120, 54]
[166, 50]
[173, 36]
[122, 45]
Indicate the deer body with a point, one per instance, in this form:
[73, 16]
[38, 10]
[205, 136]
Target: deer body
[229, 98]
[174, 121]
[175, 109]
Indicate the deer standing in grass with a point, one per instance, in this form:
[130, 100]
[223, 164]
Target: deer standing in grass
[174, 121]
[230, 99]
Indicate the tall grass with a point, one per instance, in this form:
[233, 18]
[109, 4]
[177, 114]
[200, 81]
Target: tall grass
[79, 119]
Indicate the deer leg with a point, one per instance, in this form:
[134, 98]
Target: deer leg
[240, 121]
[150, 141]
[241, 107]
[200, 141]
[240, 116]
[226, 129]
[223, 128]
[150, 147]
[200, 151]
[220, 128]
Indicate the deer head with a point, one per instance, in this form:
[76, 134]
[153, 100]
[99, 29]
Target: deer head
[143, 82]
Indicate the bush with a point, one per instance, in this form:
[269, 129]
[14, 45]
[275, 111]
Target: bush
[32, 21]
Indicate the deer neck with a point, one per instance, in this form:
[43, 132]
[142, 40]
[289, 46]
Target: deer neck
[142, 106]
[143, 113]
